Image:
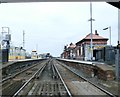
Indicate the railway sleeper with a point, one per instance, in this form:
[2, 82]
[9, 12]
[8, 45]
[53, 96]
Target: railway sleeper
[54, 76]
[27, 89]
[12, 88]
[37, 76]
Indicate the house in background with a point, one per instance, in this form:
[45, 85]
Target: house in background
[65, 53]
[69, 52]
[16, 53]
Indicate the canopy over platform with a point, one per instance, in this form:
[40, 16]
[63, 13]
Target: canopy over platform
[116, 4]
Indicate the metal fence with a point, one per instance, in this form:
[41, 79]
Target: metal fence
[106, 54]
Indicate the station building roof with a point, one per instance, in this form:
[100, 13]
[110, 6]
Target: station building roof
[94, 37]
[72, 45]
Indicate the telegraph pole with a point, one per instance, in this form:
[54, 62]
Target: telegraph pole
[37, 50]
[23, 39]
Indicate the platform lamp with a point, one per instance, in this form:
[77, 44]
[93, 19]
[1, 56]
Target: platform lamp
[91, 20]
[109, 32]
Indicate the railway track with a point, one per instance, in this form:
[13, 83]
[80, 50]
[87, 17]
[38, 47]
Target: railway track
[19, 70]
[11, 84]
[79, 85]
[52, 78]
[45, 82]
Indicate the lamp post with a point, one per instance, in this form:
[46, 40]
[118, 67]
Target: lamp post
[109, 32]
[91, 19]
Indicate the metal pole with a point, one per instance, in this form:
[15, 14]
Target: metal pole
[36, 49]
[23, 39]
[110, 34]
[91, 28]
[117, 67]
[8, 30]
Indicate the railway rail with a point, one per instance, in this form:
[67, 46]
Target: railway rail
[46, 81]
[12, 69]
[11, 84]
[52, 78]
[101, 90]
[20, 71]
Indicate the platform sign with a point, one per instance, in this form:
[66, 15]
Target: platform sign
[117, 64]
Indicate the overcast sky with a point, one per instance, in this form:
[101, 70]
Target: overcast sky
[49, 26]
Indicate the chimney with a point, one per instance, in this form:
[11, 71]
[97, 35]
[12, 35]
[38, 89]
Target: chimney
[71, 43]
[96, 32]
[65, 48]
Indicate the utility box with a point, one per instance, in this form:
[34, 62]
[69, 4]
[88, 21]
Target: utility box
[4, 55]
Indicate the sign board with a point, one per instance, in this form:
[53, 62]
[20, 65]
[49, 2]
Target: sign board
[8, 37]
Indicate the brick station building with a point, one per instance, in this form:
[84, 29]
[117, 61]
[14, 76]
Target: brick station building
[83, 50]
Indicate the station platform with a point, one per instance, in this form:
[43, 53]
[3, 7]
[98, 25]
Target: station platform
[102, 70]
[101, 65]
[15, 61]
[86, 62]
[109, 85]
